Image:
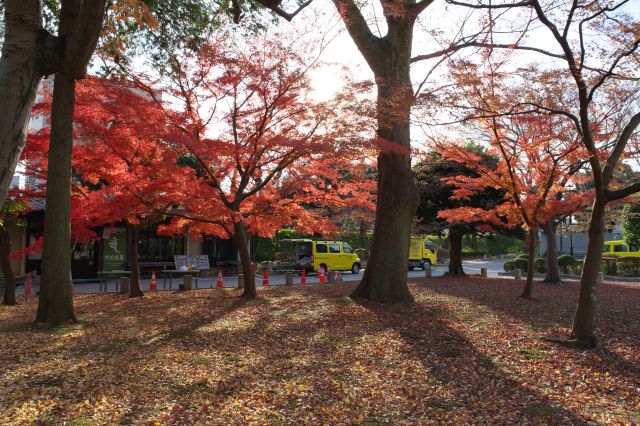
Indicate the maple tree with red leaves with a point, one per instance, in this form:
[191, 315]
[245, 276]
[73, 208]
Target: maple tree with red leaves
[590, 54]
[537, 159]
[124, 168]
[265, 154]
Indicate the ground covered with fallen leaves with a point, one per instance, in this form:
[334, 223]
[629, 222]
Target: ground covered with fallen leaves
[467, 352]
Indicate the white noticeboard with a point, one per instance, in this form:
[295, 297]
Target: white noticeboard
[195, 261]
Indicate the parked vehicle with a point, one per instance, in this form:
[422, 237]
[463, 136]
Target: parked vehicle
[422, 253]
[619, 248]
[324, 255]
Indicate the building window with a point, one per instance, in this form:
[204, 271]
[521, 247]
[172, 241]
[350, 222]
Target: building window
[152, 247]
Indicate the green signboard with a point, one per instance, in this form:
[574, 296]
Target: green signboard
[114, 249]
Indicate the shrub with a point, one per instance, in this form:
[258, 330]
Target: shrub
[509, 266]
[540, 265]
[565, 262]
[521, 263]
[577, 269]
[628, 266]
[500, 244]
[608, 266]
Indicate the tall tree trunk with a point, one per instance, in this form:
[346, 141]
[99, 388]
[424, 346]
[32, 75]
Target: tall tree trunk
[553, 273]
[385, 278]
[455, 253]
[241, 242]
[68, 54]
[132, 240]
[528, 288]
[583, 330]
[363, 234]
[55, 305]
[7, 272]
[20, 74]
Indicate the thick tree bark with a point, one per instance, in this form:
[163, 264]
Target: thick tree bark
[553, 272]
[385, 278]
[241, 242]
[80, 24]
[5, 264]
[528, 288]
[20, 74]
[132, 250]
[583, 330]
[455, 253]
[55, 305]
[363, 234]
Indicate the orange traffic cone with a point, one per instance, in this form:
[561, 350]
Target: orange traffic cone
[154, 285]
[265, 278]
[27, 286]
[303, 279]
[323, 278]
[219, 283]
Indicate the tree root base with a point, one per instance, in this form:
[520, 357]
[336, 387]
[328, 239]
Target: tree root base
[584, 345]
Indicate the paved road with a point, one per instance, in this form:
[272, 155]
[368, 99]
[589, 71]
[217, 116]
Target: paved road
[470, 266]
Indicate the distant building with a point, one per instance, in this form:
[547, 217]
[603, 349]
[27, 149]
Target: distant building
[575, 243]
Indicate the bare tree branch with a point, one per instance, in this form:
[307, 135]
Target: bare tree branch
[620, 146]
[474, 43]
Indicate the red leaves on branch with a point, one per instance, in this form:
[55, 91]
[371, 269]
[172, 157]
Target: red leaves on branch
[243, 142]
[266, 153]
[536, 169]
[124, 167]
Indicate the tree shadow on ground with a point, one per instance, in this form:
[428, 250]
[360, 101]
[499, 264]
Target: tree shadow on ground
[550, 314]
[297, 353]
[478, 387]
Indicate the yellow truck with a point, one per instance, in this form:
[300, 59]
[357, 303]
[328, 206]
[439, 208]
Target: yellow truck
[323, 255]
[619, 248]
[422, 253]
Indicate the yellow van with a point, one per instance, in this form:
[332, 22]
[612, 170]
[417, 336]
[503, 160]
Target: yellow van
[619, 248]
[422, 253]
[322, 255]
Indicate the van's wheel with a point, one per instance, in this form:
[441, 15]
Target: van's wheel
[411, 268]
[323, 268]
[426, 264]
[355, 268]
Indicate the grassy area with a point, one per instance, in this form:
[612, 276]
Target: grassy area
[468, 351]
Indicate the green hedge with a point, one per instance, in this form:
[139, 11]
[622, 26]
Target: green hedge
[540, 265]
[521, 263]
[509, 266]
[494, 245]
[621, 266]
[628, 266]
[608, 266]
[566, 262]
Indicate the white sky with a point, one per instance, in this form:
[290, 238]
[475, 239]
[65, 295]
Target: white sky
[437, 24]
